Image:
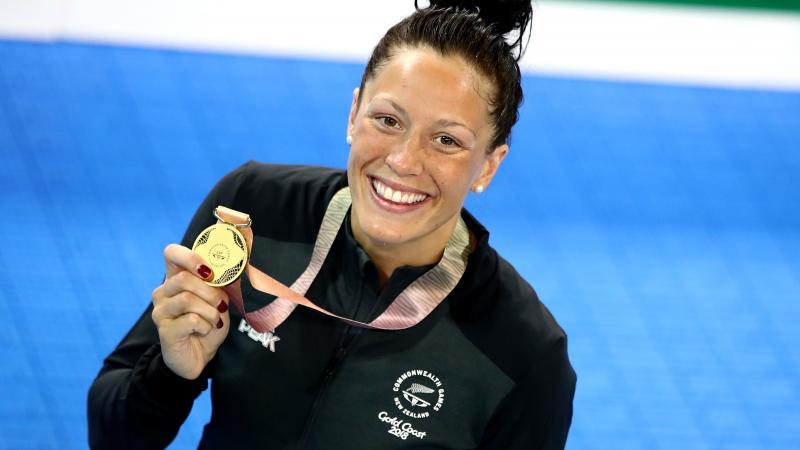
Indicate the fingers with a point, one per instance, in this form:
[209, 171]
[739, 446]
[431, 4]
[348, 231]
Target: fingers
[178, 258]
[185, 281]
[185, 303]
[184, 326]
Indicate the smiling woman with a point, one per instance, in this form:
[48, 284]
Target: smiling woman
[416, 346]
[420, 141]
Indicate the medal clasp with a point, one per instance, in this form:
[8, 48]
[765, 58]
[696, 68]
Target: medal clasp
[231, 212]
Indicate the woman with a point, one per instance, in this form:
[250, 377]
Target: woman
[486, 367]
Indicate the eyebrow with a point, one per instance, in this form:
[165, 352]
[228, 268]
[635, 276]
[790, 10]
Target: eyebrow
[395, 106]
[441, 122]
[450, 123]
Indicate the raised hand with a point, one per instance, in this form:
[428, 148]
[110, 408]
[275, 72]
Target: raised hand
[192, 317]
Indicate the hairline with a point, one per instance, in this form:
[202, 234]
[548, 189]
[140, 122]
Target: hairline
[479, 79]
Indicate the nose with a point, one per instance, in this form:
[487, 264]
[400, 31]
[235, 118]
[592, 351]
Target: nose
[406, 159]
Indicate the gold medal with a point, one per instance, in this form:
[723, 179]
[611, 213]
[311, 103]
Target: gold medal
[225, 249]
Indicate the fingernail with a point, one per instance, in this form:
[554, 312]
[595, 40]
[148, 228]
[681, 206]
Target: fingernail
[204, 271]
[222, 307]
[219, 323]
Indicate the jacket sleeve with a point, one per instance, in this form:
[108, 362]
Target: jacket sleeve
[136, 401]
[537, 413]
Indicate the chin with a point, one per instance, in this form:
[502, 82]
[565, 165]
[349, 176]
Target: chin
[386, 233]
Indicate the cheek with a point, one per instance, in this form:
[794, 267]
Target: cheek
[368, 145]
[360, 154]
[453, 178]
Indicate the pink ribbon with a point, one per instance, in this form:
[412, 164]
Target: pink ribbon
[410, 307]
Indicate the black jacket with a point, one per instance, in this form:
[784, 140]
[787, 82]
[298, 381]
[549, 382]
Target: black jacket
[488, 368]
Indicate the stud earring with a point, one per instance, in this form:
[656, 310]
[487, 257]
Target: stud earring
[349, 139]
[478, 189]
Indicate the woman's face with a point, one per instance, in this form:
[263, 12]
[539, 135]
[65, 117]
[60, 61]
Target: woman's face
[420, 134]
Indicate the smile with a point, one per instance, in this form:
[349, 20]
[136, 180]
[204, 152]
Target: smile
[396, 196]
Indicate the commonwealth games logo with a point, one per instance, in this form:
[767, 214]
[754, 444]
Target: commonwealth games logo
[419, 393]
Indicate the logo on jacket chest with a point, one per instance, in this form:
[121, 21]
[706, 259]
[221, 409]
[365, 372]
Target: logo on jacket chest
[267, 339]
[418, 394]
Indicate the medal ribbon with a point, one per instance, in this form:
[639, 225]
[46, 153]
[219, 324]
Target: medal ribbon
[409, 308]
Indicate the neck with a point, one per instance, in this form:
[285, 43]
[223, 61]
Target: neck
[387, 257]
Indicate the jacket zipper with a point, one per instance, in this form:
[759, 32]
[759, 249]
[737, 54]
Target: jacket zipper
[345, 342]
[348, 337]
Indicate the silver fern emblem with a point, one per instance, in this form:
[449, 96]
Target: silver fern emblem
[417, 388]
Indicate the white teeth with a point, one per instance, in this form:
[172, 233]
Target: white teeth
[396, 196]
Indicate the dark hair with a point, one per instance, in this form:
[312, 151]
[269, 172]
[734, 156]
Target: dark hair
[475, 30]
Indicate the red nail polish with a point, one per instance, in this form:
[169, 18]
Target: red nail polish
[222, 307]
[204, 271]
[219, 323]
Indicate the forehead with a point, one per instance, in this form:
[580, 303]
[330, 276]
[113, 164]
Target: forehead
[424, 80]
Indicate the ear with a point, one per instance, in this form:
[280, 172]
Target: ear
[490, 166]
[353, 111]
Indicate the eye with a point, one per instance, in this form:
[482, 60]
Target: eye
[388, 121]
[447, 141]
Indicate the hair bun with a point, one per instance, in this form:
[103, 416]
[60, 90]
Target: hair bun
[505, 15]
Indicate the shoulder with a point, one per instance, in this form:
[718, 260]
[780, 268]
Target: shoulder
[526, 342]
[502, 315]
[257, 180]
[288, 200]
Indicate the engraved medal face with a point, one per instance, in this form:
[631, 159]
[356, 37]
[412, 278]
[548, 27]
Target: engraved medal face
[224, 248]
